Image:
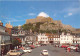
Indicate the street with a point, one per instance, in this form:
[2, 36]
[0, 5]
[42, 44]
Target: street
[53, 51]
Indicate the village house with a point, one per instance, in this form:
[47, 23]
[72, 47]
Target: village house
[53, 38]
[42, 39]
[76, 39]
[66, 38]
[27, 37]
[5, 39]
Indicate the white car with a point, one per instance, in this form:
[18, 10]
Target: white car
[38, 45]
[13, 53]
[27, 50]
[73, 47]
[44, 52]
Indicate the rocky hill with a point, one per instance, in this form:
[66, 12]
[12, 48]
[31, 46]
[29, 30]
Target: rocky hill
[76, 31]
[49, 23]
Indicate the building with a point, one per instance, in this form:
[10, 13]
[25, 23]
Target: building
[56, 39]
[8, 28]
[27, 37]
[50, 37]
[76, 38]
[42, 39]
[8, 25]
[30, 38]
[66, 38]
[5, 40]
[18, 33]
[53, 38]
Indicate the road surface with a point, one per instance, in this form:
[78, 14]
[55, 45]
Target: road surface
[53, 51]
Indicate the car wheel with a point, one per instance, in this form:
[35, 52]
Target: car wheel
[18, 55]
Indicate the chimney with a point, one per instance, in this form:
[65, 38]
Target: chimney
[1, 24]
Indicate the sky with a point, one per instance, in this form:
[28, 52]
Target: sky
[17, 11]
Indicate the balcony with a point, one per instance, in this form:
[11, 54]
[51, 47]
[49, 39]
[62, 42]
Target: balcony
[6, 42]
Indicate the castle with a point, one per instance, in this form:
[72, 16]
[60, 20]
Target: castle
[42, 19]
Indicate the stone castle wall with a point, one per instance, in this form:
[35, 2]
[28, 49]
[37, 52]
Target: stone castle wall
[39, 19]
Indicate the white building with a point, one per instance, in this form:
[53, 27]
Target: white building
[53, 38]
[42, 38]
[66, 38]
[76, 39]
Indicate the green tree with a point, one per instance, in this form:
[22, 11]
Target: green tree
[16, 42]
[27, 26]
[30, 26]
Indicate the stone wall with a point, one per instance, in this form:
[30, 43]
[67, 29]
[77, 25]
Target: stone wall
[39, 19]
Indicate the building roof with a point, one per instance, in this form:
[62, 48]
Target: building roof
[52, 35]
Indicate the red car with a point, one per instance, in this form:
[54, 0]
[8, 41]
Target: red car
[65, 46]
[32, 46]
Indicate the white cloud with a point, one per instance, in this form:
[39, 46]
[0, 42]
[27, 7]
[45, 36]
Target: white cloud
[31, 14]
[14, 20]
[71, 11]
[43, 14]
[69, 14]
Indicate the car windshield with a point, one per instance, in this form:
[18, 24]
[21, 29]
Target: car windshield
[45, 51]
[20, 51]
[12, 51]
[27, 48]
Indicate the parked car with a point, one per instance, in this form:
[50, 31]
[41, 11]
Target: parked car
[75, 44]
[43, 44]
[73, 47]
[56, 45]
[28, 47]
[38, 45]
[32, 46]
[13, 53]
[64, 46]
[44, 52]
[35, 46]
[27, 50]
[21, 51]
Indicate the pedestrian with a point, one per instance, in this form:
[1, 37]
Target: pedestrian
[68, 49]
